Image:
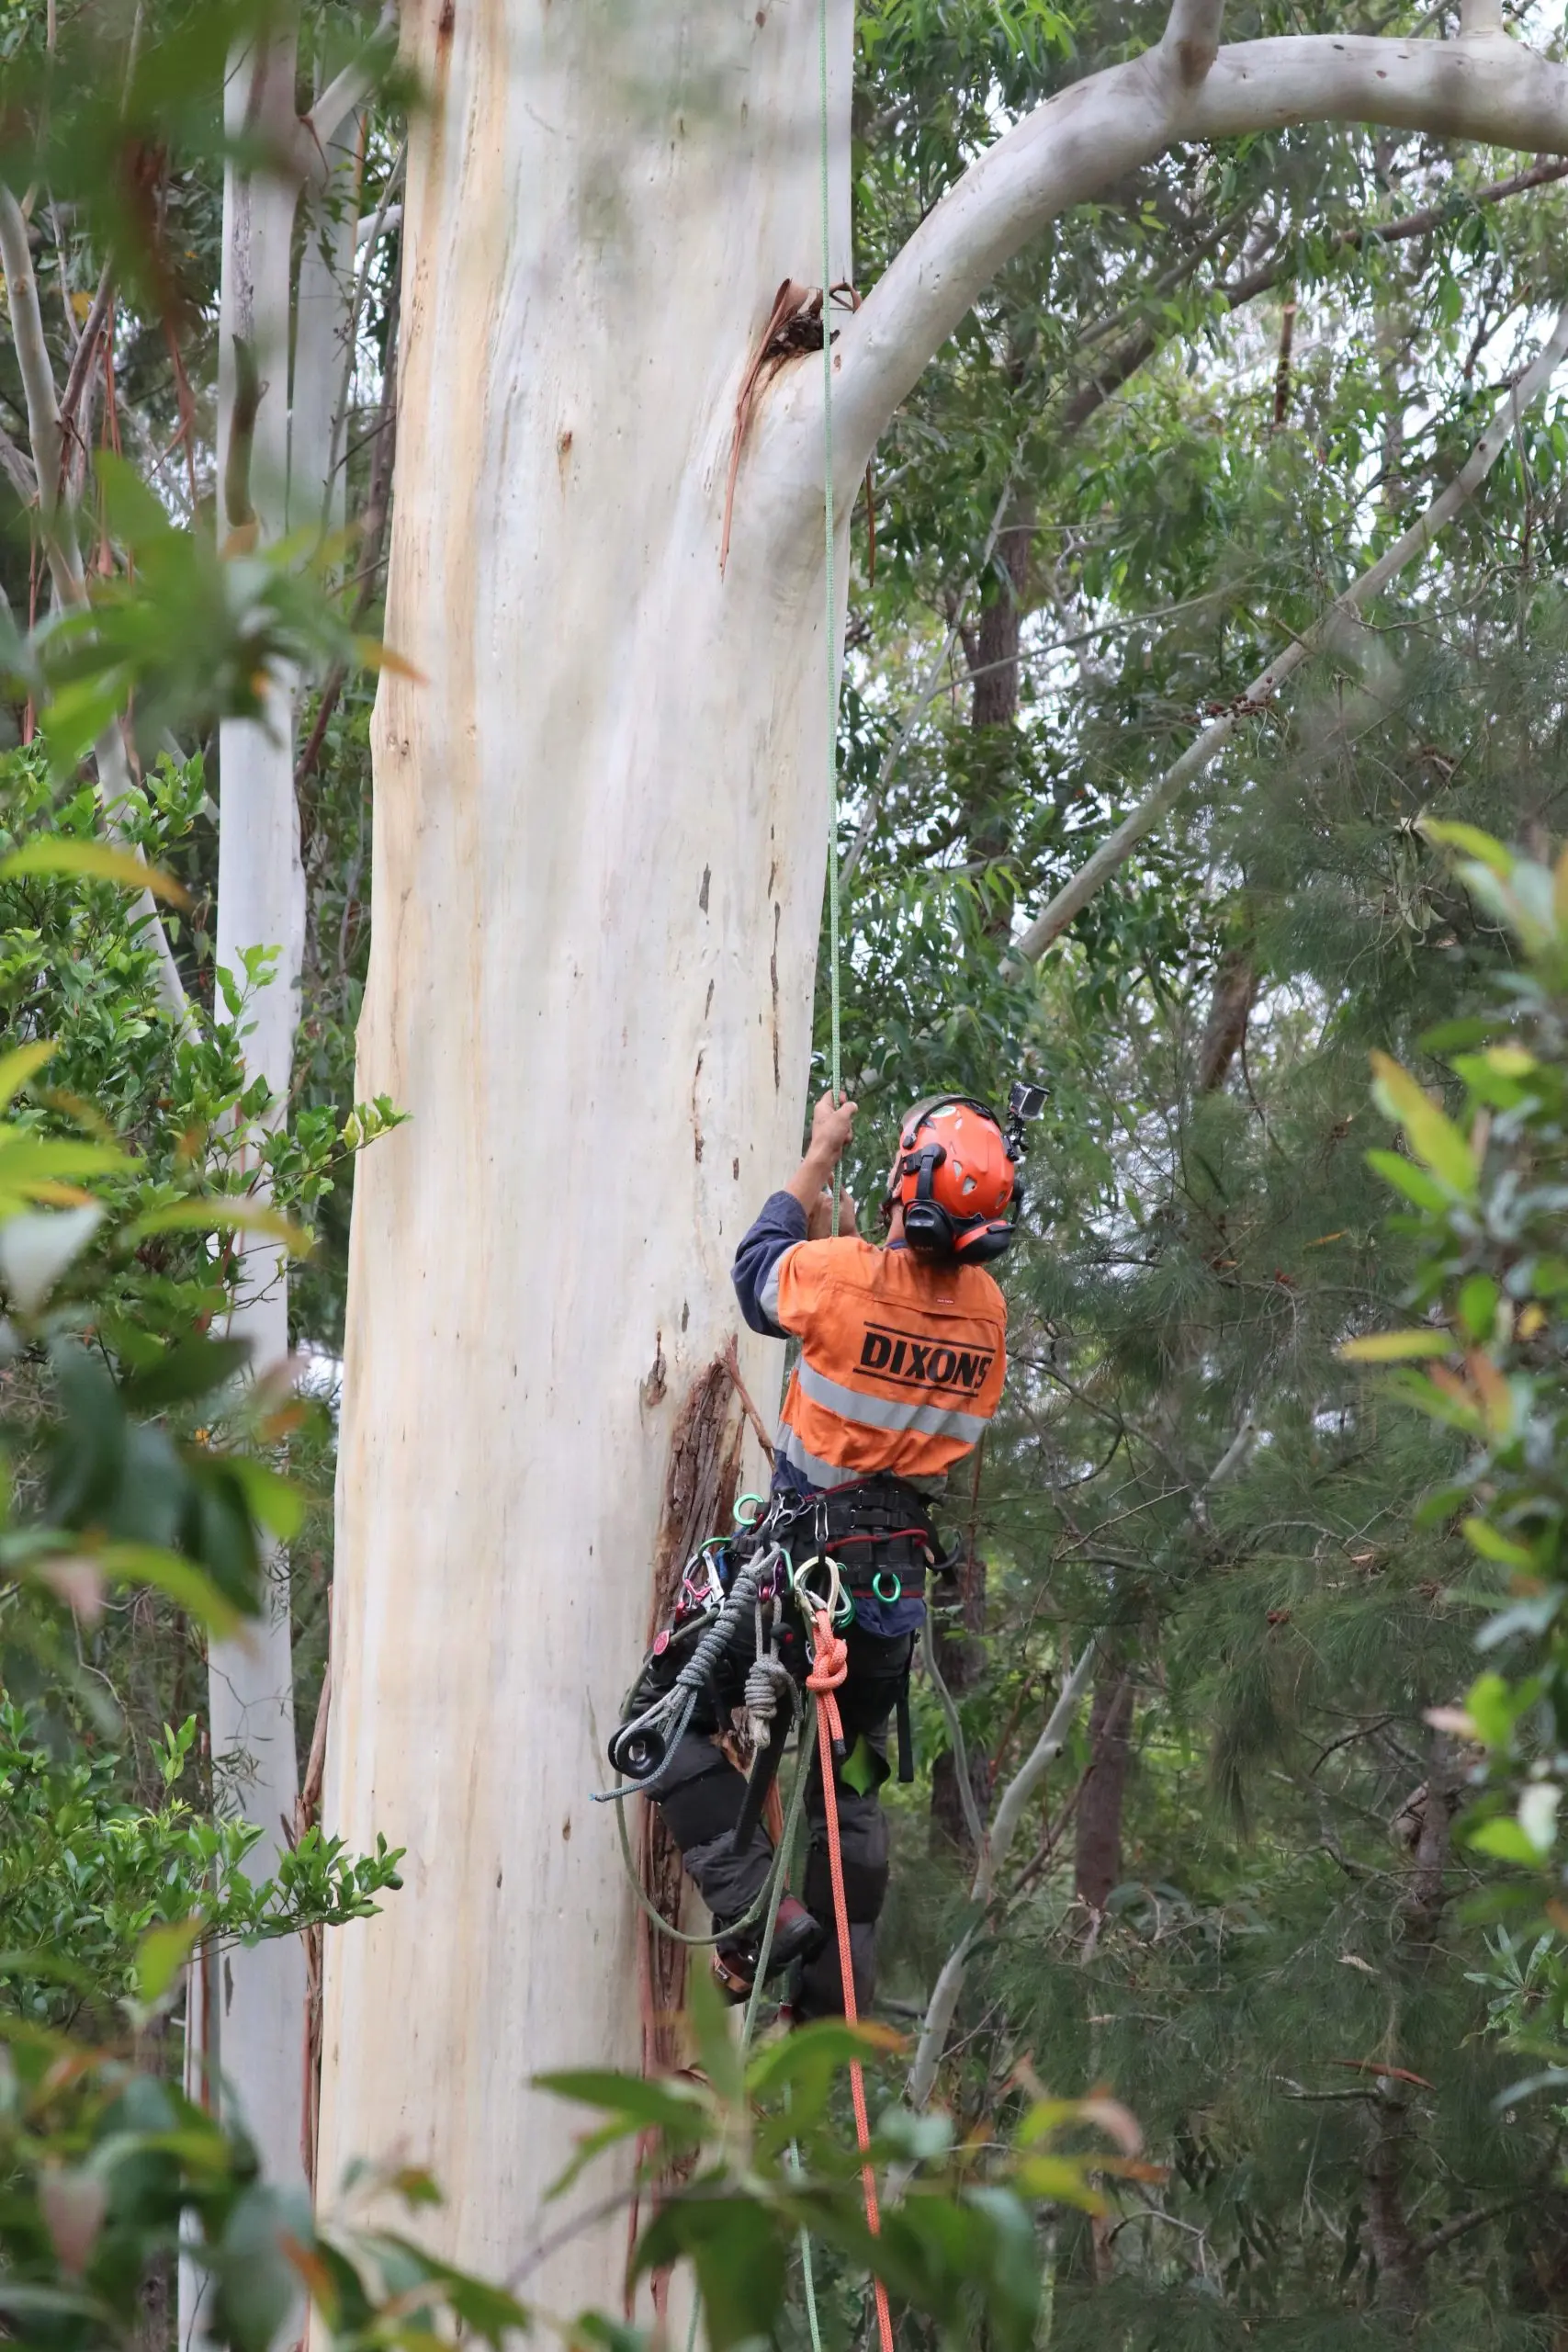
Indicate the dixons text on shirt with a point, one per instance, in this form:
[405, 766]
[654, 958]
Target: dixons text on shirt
[916, 1362]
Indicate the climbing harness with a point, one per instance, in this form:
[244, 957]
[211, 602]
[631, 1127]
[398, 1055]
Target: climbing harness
[792, 1572]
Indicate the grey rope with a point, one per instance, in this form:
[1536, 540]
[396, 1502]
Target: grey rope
[677, 1704]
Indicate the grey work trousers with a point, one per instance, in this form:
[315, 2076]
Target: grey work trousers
[700, 1797]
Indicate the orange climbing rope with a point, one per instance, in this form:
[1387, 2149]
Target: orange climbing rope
[830, 1665]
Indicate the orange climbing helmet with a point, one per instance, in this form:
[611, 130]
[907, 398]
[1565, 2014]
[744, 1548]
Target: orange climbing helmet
[955, 1177]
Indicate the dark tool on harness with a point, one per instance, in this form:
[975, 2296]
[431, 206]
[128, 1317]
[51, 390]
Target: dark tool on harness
[764, 1773]
[657, 1727]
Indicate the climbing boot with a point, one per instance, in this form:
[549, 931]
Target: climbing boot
[797, 1935]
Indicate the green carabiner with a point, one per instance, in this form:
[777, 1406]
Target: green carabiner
[762, 1503]
[891, 1577]
[845, 1613]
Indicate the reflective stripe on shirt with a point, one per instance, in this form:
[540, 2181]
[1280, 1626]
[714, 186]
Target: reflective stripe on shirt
[768, 1291]
[887, 1412]
[811, 1466]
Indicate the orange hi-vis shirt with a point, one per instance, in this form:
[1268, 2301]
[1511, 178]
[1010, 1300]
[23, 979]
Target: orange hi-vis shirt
[902, 1360]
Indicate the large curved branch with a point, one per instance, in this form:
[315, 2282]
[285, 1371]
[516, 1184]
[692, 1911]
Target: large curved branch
[1118, 847]
[353, 85]
[1483, 86]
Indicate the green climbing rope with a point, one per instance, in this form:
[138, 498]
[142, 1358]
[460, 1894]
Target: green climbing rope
[830, 601]
[835, 1003]
[829, 648]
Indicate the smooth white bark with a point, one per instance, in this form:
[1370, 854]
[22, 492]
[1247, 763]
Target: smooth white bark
[599, 855]
[261, 903]
[324, 316]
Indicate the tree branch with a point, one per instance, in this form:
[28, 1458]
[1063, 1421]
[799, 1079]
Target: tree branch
[43, 405]
[1092, 133]
[1192, 38]
[62, 548]
[348, 89]
[1436, 2240]
[972, 1822]
[943, 2002]
[82, 358]
[18, 468]
[1075, 895]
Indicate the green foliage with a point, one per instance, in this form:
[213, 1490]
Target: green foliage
[759, 2153]
[84, 1875]
[106, 2170]
[77, 967]
[1487, 1215]
[187, 635]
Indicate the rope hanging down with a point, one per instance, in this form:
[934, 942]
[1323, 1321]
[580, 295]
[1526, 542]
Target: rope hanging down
[830, 1654]
[830, 601]
[830, 1665]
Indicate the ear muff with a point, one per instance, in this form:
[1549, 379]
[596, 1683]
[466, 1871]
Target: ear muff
[928, 1226]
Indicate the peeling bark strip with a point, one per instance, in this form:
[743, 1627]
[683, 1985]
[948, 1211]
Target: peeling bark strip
[699, 1495]
[699, 1485]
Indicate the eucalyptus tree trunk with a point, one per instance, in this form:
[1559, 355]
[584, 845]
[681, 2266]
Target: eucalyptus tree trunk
[322, 379]
[261, 904]
[599, 845]
[599, 830]
[276, 445]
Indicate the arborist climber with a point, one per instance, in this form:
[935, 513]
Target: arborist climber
[902, 1362]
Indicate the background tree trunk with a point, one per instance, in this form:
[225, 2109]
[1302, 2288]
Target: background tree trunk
[1401, 2256]
[261, 903]
[993, 648]
[1097, 1861]
[599, 853]
[321, 379]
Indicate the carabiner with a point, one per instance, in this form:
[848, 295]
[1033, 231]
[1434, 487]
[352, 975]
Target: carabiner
[893, 1579]
[836, 1601]
[757, 1516]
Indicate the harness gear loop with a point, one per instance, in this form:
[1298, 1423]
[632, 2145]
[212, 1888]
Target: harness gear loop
[886, 1576]
[830, 1665]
